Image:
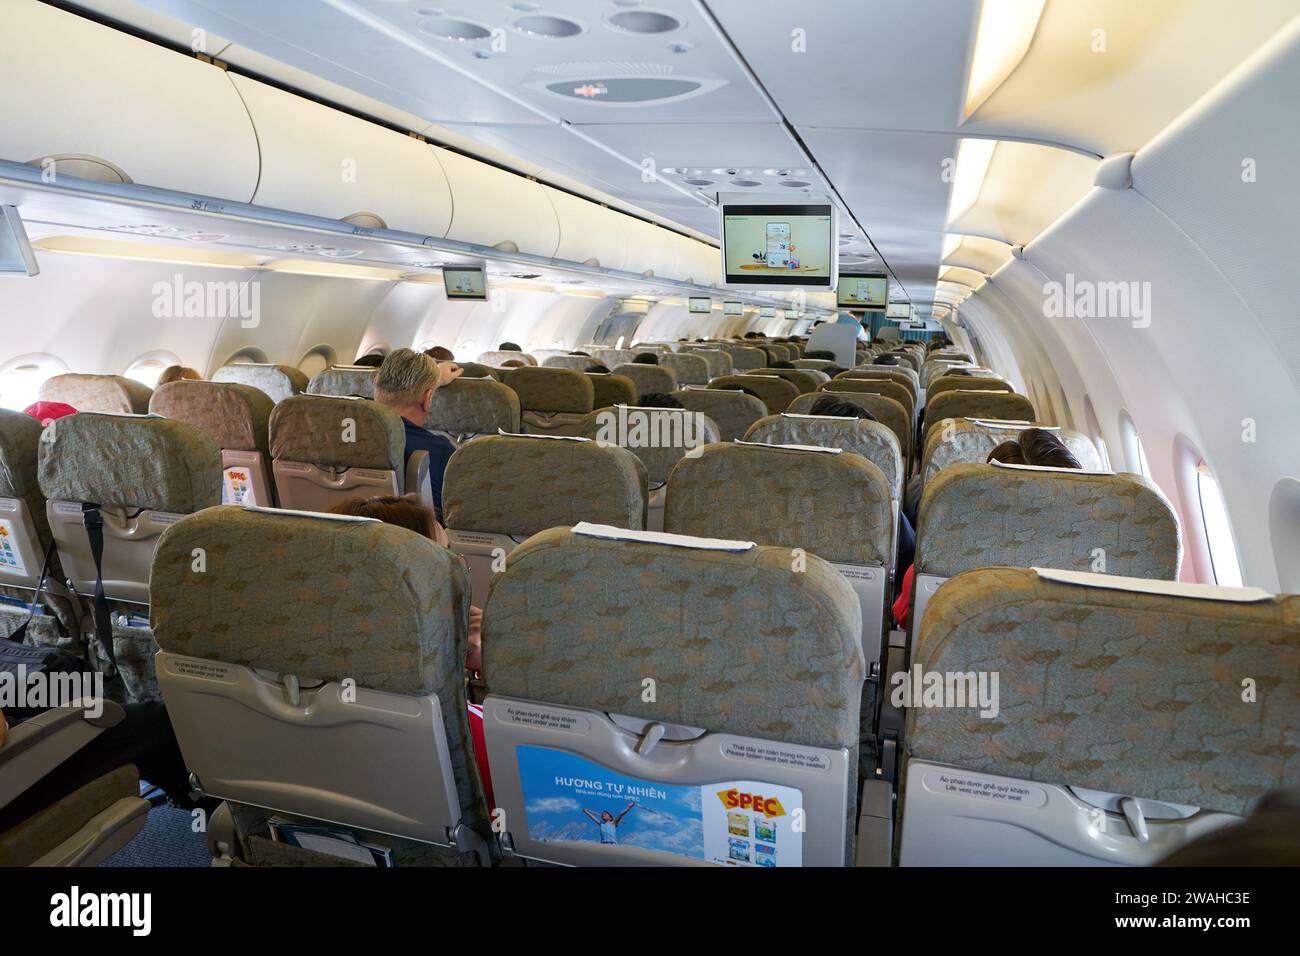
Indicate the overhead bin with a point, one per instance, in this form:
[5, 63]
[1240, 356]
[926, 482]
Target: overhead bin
[493, 207]
[589, 231]
[653, 249]
[108, 104]
[699, 262]
[328, 163]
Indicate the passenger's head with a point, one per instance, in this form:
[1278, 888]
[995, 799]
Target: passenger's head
[886, 359]
[596, 370]
[646, 358]
[659, 400]
[782, 364]
[838, 408]
[823, 354]
[583, 354]
[1008, 453]
[406, 511]
[508, 347]
[178, 373]
[405, 383]
[1041, 447]
[833, 370]
[440, 354]
[732, 387]
[372, 360]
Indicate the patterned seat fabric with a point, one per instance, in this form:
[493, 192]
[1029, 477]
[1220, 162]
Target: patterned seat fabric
[550, 389]
[744, 357]
[468, 407]
[836, 506]
[647, 378]
[130, 463]
[872, 440]
[776, 393]
[475, 370]
[612, 390]
[277, 593]
[1123, 692]
[579, 363]
[965, 441]
[743, 647]
[689, 369]
[343, 380]
[887, 411]
[508, 484]
[338, 433]
[277, 381]
[970, 383]
[719, 361]
[237, 417]
[875, 386]
[114, 394]
[612, 357]
[894, 373]
[802, 379]
[971, 403]
[819, 365]
[657, 436]
[979, 516]
[496, 359]
[732, 411]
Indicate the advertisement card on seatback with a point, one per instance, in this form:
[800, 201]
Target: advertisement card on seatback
[568, 798]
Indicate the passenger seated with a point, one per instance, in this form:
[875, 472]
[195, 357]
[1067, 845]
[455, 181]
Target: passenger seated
[596, 370]
[646, 358]
[46, 412]
[406, 383]
[440, 354]
[373, 360]
[823, 354]
[178, 373]
[782, 364]
[658, 400]
[886, 359]
[508, 347]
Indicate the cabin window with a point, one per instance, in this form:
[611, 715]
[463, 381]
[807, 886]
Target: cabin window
[21, 379]
[247, 357]
[1133, 450]
[317, 361]
[1094, 432]
[1218, 532]
[147, 368]
[1284, 532]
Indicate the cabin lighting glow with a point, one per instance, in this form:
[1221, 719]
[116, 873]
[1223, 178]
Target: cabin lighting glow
[1006, 30]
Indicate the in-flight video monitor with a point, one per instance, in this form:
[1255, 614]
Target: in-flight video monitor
[778, 245]
[16, 256]
[733, 308]
[465, 282]
[899, 310]
[700, 304]
[862, 290]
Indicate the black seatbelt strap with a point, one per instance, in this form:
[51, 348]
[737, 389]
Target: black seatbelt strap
[20, 633]
[93, 522]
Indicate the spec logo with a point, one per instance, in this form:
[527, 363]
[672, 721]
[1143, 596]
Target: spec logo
[734, 799]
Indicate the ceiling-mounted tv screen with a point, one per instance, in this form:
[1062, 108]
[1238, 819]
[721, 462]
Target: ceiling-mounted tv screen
[733, 308]
[700, 304]
[771, 244]
[465, 282]
[862, 290]
[16, 256]
[899, 310]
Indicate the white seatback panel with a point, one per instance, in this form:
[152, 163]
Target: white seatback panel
[244, 479]
[306, 487]
[481, 550]
[21, 554]
[869, 585]
[128, 549]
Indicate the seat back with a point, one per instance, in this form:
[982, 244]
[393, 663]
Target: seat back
[826, 501]
[802, 379]
[731, 410]
[819, 365]
[648, 378]
[609, 390]
[277, 381]
[876, 386]
[689, 369]
[475, 370]
[579, 363]
[872, 440]
[113, 394]
[24, 527]
[660, 437]
[499, 489]
[143, 472]
[612, 357]
[496, 359]
[776, 393]
[979, 516]
[350, 712]
[970, 383]
[552, 400]
[468, 407]
[971, 440]
[745, 357]
[887, 411]
[752, 724]
[1116, 730]
[236, 417]
[719, 361]
[344, 380]
[894, 373]
[972, 403]
[326, 450]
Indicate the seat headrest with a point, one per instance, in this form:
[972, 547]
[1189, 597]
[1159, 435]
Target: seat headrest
[978, 516]
[805, 380]
[607, 390]
[579, 363]
[277, 381]
[129, 461]
[888, 411]
[236, 416]
[972, 403]
[473, 407]
[969, 383]
[338, 433]
[837, 506]
[476, 370]
[496, 358]
[887, 387]
[20, 438]
[689, 369]
[658, 436]
[551, 389]
[742, 646]
[1114, 690]
[969, 441]
[114, 394]
[343, 380]
[648, 378]
[518, 485]
[872, 440]
[311, 596]
[776, 392]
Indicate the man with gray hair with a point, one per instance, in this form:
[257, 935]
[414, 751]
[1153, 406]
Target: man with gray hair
[406, 383]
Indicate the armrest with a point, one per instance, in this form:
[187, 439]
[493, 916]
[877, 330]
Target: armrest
[875, 845]
[37, 746]
[417, 477]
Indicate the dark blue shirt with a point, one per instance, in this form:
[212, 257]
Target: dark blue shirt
[439, 449]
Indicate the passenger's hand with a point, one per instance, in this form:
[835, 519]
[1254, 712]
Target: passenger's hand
[448, 372]
[4, 730]
[474, 658]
